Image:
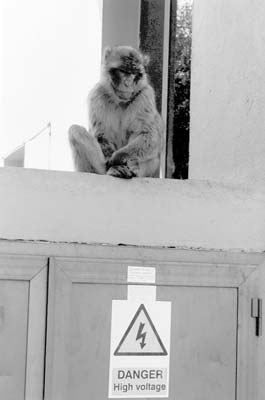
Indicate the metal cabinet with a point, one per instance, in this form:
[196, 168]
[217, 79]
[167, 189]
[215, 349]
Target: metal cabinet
[215, 351]
[56, 318]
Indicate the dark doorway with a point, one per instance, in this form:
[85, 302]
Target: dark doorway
[178, 132]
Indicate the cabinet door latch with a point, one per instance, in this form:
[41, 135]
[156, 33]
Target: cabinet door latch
[256, 312]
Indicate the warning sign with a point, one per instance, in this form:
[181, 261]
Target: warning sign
[141, 337]
[140, 348]
[148, 381]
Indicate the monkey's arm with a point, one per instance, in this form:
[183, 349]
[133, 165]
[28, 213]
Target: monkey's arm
[98, 109]
[107, 147]
[140, 157]
[144, 147]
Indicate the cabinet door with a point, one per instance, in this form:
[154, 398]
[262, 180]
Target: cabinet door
[203, 342]
[203, 353]
[22, 327]
[78, 335]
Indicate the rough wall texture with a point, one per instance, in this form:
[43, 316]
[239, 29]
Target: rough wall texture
[88, 208]
[228, 91]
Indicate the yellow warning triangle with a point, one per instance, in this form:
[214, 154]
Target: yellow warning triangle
[141, 337]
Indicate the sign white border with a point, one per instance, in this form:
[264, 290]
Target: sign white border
[123, 312]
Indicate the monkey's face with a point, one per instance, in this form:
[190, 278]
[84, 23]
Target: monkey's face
[123, 83]
[124, 69]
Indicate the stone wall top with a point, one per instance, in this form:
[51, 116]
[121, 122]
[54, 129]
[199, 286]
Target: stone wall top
[69, 207]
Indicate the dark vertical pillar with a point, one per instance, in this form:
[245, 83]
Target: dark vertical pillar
[152, 41]
[170, 166]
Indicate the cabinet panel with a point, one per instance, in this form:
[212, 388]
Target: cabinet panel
[203, 352]
[90, 339]
[203, 342]
[251, 344]
[23, 283]
[13, 338]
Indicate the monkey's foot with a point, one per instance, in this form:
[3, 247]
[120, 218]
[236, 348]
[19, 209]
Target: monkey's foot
[121, 171]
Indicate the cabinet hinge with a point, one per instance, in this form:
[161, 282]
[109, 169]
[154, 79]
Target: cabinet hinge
[256, 312]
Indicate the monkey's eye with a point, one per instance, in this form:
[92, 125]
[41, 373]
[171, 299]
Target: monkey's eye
[138, 76]
[116, 72]
[124, 72]
[115, 76]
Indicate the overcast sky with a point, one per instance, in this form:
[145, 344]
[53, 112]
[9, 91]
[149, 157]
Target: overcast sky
[50, 59]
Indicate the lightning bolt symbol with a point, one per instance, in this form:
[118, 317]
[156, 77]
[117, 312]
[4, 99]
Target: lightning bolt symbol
[141, 335]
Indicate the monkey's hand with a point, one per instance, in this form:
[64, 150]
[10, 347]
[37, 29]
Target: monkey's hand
[119, 166]
[121, 171]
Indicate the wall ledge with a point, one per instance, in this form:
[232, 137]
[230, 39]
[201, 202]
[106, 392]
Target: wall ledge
[69, 207]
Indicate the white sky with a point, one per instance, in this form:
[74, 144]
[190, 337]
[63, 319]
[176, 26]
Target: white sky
[50, 59]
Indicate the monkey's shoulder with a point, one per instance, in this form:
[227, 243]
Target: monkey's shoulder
[100, 102]
[144, 103]
[99, 93]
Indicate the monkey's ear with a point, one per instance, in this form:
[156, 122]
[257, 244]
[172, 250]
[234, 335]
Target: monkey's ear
[146, 60]
[106, 53]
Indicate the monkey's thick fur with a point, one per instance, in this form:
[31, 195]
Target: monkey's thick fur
[125, 135]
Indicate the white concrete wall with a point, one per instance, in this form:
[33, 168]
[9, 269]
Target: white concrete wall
[87, 208]
[228, 91]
